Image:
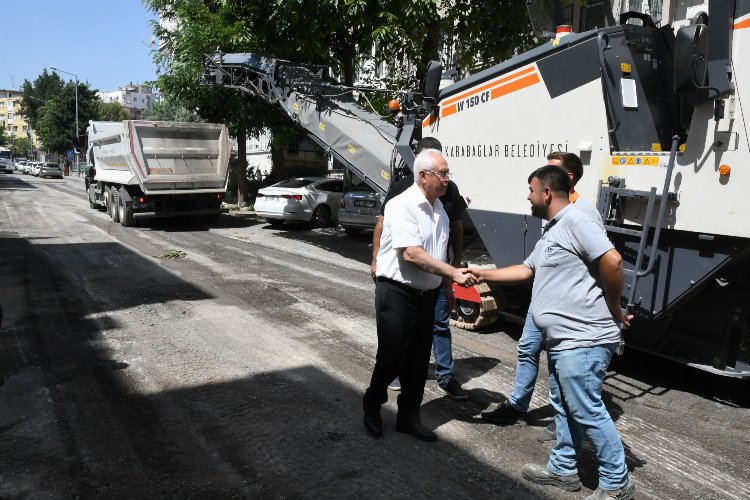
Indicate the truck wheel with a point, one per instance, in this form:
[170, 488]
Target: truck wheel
[125, 213]
[114, 201]
[105, 196]
[321, 216]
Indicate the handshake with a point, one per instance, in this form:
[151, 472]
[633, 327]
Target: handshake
[467, 277]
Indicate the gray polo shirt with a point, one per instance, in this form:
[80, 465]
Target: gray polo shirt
[589, 209]
[567, 301]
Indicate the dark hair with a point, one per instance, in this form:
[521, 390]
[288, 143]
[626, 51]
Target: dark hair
[570, 163]
[553, 177]
[428, 143]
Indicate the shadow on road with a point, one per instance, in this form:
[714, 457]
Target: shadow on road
[78, 422]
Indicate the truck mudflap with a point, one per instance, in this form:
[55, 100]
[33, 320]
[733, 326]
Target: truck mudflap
[476, 307]
[179, 213]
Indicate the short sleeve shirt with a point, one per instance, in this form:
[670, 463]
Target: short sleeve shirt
[567, 300]
[410, 221]
[453, 203]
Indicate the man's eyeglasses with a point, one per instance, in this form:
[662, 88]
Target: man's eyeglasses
[442, 175]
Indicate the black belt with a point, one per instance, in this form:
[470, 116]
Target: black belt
[404, 286]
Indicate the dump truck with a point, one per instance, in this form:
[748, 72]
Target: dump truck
[142, 169]
[649, 96]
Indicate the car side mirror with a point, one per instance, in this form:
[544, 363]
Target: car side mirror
[690, 52]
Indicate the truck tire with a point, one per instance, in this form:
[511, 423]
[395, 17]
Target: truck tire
[125, 212]
[321, 216]
[114, 200]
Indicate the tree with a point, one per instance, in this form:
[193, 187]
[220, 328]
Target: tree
[3, 137]
[56, 119]
[170, 111]
[20, 147]
[112, 112]
[35, 96]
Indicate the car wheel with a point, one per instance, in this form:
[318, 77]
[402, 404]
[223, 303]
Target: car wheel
[321, 216]
[353, 231]
[125, 212]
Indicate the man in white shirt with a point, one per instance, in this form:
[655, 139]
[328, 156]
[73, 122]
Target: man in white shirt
[410, 268]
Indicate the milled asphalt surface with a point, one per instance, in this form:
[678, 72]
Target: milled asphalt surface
[237, 371]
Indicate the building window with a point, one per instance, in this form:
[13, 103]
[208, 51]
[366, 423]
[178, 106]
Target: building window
[10, 116]
[15, 128]
[10, 103]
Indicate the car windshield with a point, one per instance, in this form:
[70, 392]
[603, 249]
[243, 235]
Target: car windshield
[294, 183]
[53, 165]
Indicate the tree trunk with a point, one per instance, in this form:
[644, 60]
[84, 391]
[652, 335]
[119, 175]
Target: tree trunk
[242, 168]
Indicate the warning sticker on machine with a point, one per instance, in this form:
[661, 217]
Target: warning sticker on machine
[649, 161]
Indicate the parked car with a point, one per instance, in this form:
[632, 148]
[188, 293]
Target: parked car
[312, 199]
[50, 170]
[36, 167]
[27, 168]
[359, 209]
[20, 162]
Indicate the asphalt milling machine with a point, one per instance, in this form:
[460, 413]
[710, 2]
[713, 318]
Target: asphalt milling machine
[651, 102]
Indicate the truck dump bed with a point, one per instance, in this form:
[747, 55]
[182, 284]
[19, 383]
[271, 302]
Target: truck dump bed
[162, 157]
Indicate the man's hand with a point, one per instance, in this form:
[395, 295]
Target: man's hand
[624, 321]
[464, 277]
[373, 268]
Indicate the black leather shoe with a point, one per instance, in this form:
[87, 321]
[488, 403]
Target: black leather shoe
[373, 422]
[416, 429]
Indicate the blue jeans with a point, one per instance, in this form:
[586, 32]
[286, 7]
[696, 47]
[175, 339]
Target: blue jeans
[575, 379]
[441, 340]
[529, 349]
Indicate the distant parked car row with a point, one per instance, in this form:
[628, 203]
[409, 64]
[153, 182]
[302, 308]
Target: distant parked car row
[39, 168]
[321, 202]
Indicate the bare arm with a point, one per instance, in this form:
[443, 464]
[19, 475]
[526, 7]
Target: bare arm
[613, 278]
[377, 232]
[511, 275]
[426, 262]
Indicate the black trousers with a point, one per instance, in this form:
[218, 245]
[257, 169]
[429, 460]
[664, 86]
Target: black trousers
[405, 319]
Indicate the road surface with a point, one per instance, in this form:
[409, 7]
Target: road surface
[181, 360]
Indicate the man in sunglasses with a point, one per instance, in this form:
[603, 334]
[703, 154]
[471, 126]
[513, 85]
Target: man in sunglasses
[454, 206]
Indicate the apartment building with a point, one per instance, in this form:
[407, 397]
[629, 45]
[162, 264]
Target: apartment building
[137, 99]
[10, 119]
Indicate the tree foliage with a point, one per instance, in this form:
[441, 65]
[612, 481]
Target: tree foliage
[4, 138]
[36, 95]
[170, 111]
[20, 147]
[56, 119]
[112, 112]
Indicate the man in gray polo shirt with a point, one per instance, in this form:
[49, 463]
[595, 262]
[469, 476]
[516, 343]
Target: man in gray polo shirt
[575, 302]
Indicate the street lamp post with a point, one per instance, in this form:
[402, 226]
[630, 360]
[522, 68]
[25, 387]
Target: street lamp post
[77, 133]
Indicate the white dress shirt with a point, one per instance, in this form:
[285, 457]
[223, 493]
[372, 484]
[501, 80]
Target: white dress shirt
[410, 221]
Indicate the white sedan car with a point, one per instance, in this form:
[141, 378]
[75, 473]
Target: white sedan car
[310, 199]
